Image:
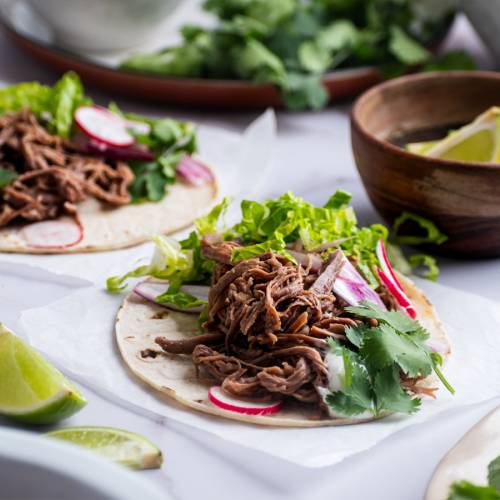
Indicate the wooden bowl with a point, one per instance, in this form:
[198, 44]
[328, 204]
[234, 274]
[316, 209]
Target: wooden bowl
[462, 199]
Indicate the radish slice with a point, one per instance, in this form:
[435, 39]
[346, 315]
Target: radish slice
[142, 128]
[133, 152]
[353, 288]
[61, 233]
[227, 402]
[386, 265]
[390, 280]
[193, 172]
[150, 291]
[102, 125]
[399, 295]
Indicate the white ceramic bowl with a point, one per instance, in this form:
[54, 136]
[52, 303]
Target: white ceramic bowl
[34, 467]
[102, 25]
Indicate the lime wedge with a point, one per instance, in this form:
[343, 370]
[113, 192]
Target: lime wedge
[31, 389]
[126, 448]
[477, 142]
[420, 148]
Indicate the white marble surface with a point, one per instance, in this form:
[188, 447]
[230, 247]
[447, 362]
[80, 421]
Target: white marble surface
[312, 158]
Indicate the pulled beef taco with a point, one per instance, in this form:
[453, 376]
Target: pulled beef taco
[75, 177]
[292, 317]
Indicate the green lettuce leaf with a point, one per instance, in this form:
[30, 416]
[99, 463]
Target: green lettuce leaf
[431, 233]
[428, 262]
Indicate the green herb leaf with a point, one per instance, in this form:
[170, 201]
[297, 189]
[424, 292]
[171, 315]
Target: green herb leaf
[428, 262]
[451, 61]
[389, 394]
[6, 176]
[494, 473]
[208, 223]
[395, 319]
[464, 490]
[173, 295]
[406, 49]
[383, 347]
[431, 232]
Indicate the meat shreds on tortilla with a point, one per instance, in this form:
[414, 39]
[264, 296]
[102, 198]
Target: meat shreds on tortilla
[139, 323]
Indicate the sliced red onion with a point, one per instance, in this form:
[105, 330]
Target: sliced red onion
[194, 172]
[353, 288]
[307, 259]
[150, 291]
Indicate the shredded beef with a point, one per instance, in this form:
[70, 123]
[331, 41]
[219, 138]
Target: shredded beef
[53, 177]
[273, 323]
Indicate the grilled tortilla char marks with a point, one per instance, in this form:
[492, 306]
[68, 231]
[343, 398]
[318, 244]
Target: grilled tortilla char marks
[268, 323]
[53, 177]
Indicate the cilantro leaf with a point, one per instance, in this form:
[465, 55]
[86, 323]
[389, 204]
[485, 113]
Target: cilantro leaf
[453, 60]
[6, 176]
[383, 347]
[357, 396]
[389, 394]
[494, 473]
[406, 49]
[396, 319]
[465, 490]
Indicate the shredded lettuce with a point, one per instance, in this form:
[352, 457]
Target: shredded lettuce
[169, 262]
[55, 105]
[265, 226]
[431, 269]
[431, 233]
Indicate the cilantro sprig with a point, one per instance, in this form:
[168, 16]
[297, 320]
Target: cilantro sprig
[293, 43]
[465, 490]
[375, 360]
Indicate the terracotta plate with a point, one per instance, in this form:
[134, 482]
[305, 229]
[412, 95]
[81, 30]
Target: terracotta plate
[191, 92]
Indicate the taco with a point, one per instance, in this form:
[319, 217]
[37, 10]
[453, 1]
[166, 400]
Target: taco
[75, 177]
[292, 317]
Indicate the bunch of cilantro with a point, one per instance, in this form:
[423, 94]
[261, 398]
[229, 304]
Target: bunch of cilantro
[376, 357]
[292, 43]
[465, 490]
[167, 139]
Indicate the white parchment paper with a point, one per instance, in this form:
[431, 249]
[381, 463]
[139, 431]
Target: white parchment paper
[240, 162]
[77, 334]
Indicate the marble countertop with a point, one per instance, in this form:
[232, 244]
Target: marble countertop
[312, 158]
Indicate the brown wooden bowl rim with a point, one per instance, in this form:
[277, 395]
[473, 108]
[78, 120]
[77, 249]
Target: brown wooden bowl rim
[407, 80]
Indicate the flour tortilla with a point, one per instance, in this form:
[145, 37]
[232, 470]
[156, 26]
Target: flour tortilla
[113, 228]
[139, 322]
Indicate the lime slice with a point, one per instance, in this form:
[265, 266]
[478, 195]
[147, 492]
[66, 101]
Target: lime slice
[126, 448]
[420, 148]
[31, 389]
[477, 142]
